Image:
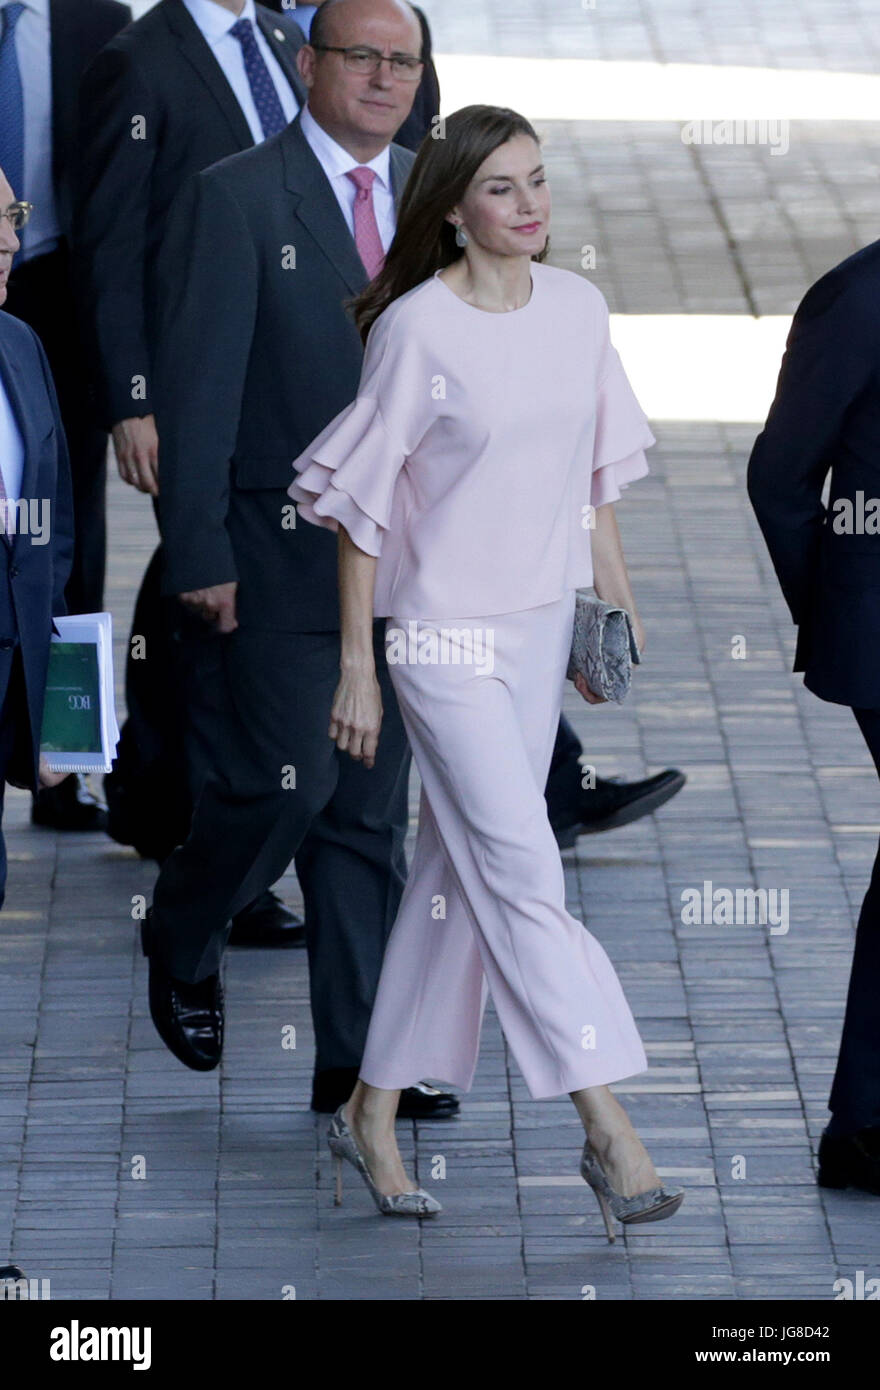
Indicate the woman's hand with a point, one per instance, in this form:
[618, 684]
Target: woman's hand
[356, 716]
[580, 683]
[589, 695]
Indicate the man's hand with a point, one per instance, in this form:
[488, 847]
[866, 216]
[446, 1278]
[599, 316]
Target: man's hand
[215, 605]
[48, 778]
[137, 453]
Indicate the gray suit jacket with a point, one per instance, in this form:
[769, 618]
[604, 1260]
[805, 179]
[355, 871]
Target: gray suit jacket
[256, 354]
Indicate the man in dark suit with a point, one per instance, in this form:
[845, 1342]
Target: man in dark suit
[171, 95]
[256, 355]
[426, 104]
[826, 418]
[44, 47]
[35, 559]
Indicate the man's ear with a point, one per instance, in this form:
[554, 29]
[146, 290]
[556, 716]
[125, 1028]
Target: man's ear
[305, 64]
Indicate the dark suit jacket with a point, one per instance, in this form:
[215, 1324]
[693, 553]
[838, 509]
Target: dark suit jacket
[160, 69]
[79, 30]
[826, 419]
[255, 358]
[427, 101]
[32, 575]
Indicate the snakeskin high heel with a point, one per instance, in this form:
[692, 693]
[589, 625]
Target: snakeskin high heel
[654, 1205]
[342, 1145]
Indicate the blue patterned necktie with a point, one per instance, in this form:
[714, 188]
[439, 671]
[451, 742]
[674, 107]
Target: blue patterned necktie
[269, 108]
[11, 104]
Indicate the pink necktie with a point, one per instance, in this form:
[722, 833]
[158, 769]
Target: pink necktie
[366, 231]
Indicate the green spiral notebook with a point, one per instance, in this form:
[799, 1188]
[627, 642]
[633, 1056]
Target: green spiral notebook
[80, 731]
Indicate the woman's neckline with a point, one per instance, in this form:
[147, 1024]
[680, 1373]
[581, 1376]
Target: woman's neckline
[490, 313]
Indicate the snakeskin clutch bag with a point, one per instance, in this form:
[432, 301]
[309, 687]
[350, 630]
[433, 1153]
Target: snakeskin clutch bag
[603, 647]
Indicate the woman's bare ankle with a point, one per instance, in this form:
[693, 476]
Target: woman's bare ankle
[371, 1110]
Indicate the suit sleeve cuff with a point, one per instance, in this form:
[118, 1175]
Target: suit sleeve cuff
[200, 565]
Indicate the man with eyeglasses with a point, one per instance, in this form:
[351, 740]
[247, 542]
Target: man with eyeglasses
[256, 352]
[182, 67]
[34, 565]
[426, 103]
[44, 47]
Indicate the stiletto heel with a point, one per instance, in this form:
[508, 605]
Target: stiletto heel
[654, 1205]
[606, 1216]
[342, 1145]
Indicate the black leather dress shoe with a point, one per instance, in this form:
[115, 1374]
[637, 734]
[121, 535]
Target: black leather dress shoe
[267, 921]
[188, 1017]
[850, 1160]
[69, 806]
[613, 803]
[332, 1088]
[424, 1102]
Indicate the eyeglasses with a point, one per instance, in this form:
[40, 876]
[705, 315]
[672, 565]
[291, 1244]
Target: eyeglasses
[366, 61]
[18, 214]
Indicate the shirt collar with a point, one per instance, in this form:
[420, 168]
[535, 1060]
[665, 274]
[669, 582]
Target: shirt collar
[215, 21]
[337, 161]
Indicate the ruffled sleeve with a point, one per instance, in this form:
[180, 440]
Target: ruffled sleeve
[348, 473]
[622, 431]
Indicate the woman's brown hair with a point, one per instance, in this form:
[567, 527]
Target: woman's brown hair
[443, 168]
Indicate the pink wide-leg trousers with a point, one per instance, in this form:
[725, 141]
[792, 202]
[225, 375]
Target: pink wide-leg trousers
[483, 910]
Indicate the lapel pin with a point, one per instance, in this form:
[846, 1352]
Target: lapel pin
[279, 34]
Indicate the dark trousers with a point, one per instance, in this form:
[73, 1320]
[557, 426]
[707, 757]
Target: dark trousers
[855, 1093]
[278, 789]
[150, 789]
[40, 292]
[563, 792]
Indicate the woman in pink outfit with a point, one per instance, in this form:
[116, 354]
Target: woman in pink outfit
[472, 484]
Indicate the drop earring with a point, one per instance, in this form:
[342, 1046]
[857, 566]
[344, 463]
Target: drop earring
[460, 236]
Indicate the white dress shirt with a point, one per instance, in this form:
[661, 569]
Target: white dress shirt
[215, 23]
[33, 49]
[11, 447]
[336, 162]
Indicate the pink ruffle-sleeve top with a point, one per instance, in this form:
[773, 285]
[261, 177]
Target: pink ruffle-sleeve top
[476, 447]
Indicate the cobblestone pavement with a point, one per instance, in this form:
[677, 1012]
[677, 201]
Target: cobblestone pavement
[741, 1024]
